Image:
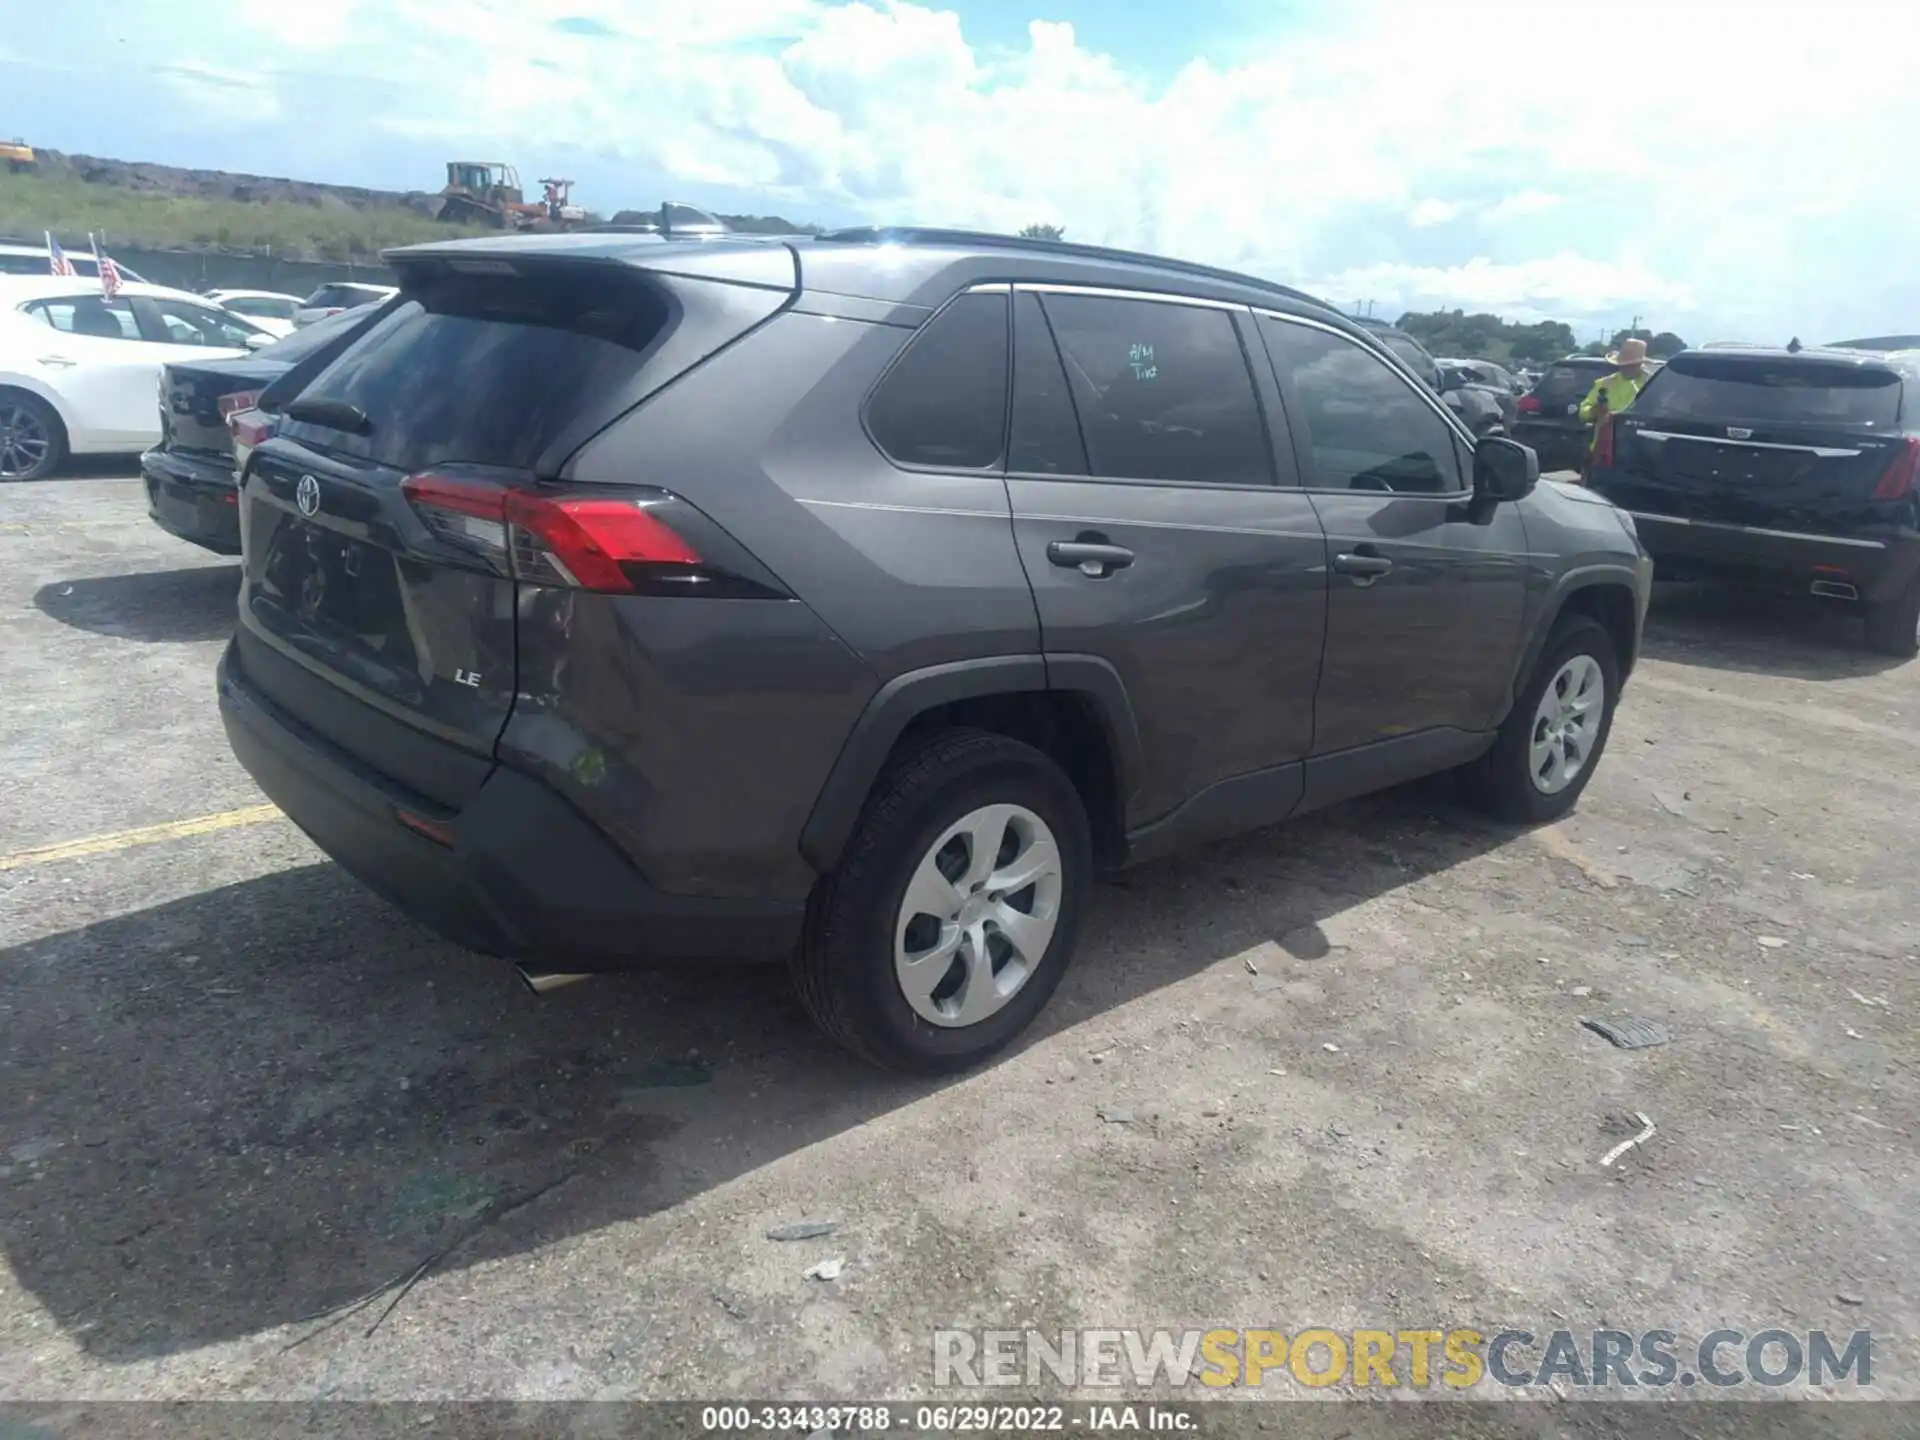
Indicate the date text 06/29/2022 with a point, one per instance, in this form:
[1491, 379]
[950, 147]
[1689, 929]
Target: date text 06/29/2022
[947, 1419]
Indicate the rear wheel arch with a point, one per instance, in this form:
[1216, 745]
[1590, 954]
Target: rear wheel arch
[1083, 722]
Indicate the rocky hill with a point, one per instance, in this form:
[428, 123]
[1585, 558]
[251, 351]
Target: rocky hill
[172, 182]
[143, 177]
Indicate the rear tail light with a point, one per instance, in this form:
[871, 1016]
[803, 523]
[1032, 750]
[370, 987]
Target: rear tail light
[584, 542]
[1897, 480]
[239, 400]
[248, 428]
[1529, 405]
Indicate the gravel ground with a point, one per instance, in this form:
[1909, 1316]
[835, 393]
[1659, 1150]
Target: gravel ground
[1342, 1060]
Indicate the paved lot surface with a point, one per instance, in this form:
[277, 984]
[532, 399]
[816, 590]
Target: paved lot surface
[236, 1090]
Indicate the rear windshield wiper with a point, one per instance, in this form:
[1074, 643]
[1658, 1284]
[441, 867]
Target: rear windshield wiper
[334, 414]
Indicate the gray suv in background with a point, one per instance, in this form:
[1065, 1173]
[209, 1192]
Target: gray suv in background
[855, 600]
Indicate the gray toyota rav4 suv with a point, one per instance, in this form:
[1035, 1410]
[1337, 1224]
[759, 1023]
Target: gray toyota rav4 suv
[855, 600]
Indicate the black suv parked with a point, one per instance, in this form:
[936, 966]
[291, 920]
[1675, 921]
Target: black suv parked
[1798, 470]
[855, 599]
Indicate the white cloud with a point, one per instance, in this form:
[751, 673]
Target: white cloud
[1520, 205]
[1744, 178]
[1434, 212]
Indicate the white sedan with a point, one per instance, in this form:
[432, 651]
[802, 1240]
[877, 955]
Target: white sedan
[271, 310]
[79, 373]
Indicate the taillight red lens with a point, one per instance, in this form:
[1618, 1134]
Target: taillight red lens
[1897, 480]
[1529, 405]
[231, 405]
[250, 427]
[587, 541]
[582, 541]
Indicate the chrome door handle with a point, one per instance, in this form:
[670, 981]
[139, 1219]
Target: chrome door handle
[1093, 559]
[1365, 569]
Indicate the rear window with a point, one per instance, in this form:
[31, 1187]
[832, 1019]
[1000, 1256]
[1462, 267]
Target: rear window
[480, 370]
[1773, 391]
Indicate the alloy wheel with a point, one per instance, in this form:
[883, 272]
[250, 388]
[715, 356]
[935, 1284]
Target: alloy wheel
[24, 442]
[979, 912]
[1566, 724]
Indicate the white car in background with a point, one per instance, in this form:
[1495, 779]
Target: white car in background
[80, 374]
[271, 310]
[340, 295]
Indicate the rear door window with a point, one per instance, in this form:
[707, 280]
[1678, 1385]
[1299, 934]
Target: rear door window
[1162, 390]
[93, 315]
[1046, 435]
[943, 402]
[481, 370]
[1773, 392]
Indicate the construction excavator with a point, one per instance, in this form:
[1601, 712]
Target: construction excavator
[488, 192]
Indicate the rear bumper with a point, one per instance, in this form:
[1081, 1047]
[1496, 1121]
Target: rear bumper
[525, 875]
[194, 499]
[1876, 568]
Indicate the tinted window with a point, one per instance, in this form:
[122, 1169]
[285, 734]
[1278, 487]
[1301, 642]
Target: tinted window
[24, 265]
[176, 322]
[1162, 390]
[88, 315]
[1777, 391]
[1046, 436]
[944, 400]
[1367, 427]
[488, 371]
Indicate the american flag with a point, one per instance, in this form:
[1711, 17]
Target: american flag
[57, 261]
[109, 272]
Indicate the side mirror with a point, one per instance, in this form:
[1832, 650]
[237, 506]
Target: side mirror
[1503, 469]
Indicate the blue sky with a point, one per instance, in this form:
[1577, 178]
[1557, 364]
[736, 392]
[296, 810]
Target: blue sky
[1727, 171]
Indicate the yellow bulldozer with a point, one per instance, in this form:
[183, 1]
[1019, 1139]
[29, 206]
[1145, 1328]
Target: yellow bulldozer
[488, 192]
[19, 156]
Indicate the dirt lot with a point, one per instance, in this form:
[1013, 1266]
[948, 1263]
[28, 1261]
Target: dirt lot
[1343, 1060]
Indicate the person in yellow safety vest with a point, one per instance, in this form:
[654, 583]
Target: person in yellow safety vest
[1613, 393]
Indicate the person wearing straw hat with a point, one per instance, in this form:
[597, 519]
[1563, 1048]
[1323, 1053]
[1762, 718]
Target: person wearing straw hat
[1613, 393]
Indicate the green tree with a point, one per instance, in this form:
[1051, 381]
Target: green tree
[1665, 345]
[1043, 232]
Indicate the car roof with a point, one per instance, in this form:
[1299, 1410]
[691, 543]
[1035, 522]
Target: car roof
[903, 265]
[344, 285]
[18, 289]
[253, 294]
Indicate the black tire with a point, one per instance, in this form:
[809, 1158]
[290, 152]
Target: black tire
[21, 412]
[1893, 626]
[844, 967]
[1501, 782]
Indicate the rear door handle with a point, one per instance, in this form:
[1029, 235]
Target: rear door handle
[1095, 560]
[1365, 569]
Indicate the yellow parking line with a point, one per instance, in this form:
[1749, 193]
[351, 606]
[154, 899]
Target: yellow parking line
[145, 835]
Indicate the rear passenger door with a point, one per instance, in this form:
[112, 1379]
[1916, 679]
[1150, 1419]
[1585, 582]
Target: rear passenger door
[1162, 540]
[1427, 592]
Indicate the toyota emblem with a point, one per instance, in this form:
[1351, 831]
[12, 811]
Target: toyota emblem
[307, 495]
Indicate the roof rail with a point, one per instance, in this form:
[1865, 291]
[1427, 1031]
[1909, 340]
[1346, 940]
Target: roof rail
[923, 235]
